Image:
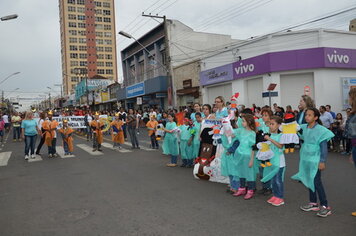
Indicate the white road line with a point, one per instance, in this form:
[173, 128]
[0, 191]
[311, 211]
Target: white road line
[4, 158]
[60, 152]
[89, 150]
[108, 145]
[38, 158]
[141, 147]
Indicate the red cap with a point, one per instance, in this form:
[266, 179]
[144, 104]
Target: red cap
[288, 116]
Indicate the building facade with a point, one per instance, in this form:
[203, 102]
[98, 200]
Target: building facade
[88, 41]
[320, 63]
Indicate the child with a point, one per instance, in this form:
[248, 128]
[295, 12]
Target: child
[152, 127]
[185, 146]
[275, 172]
[117, 133]
[264, 121]
[195, 139]
[245, 157]
[97, 128]
[2, 129]
[66, 133]
[170, 143]
[312, 161]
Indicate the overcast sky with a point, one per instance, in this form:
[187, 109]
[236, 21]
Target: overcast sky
[31, 43]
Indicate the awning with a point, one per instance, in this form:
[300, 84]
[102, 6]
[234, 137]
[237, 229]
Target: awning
[188, 91]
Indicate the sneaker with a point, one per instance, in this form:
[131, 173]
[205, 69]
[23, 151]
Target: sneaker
[171, 165]
[120, 147]
[310, 207]
[50, 155]
[100, 150]
[271, 200]
[240, 192]
[249, 194]
[278, 202]
[26, 157]
[54, 155]
[33, 156]
[324, 211]
[94, 149]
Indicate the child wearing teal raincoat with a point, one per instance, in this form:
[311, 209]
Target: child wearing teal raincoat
[196, 134]
[275, 173]
[185, 147]
[170, 143]
[312, 161]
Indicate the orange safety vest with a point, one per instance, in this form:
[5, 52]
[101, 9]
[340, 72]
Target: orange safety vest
[119, 136]
[49, 131]
[68, 140]
[97, 128]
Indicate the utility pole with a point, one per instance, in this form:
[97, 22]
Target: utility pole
[171, 90]
[2, 98]
[49, 99]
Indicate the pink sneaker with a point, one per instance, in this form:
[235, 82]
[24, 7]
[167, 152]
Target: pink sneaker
[240, 192]
[249, 194]
[277, 202]
[271, 200]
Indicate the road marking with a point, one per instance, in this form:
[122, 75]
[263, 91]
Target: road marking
[141, 147]
[108, 145]
[89, 150]
[37, 158]
[60, 152]
[4, 158]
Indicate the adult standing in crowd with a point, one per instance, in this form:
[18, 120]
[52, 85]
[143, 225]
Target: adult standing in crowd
[40, 122]
[221, 110]
[328, 109]
[29, 133]
[351, 127]
[325, 117]
[304, 103]
[197, 109]
[16, 125]
[5, 118]
[123, 117]
[132, 125]
[87, 119]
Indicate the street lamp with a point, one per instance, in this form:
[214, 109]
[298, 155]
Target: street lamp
[9, 17]
[16, 73]
[8, 95]
[60, 85]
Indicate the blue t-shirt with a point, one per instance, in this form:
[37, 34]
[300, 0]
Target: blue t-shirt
[221, 114]
[30, 127]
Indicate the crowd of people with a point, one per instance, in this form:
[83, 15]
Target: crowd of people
[243, 156]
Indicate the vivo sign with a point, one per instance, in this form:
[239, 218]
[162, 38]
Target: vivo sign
[244, 68]
[338, 58]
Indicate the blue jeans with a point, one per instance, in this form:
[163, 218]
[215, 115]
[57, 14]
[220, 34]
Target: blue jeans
[251, 185]
[133, 137]
[89, 133]
[52, 149]
[354, 155]
[16, 132]
[30, 142]
[173, 159]
[319, 191]
[234, 182]
[277, 184]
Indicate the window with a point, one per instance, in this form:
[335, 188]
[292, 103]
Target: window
[73, 63]
[98, 19]
[74, 55]
[99, 49]
[73, 48]
[107, 19]
[107, 34]
[81, 9]
[98, 34]
[107, 27]
[100, 71]
[72, 17]
[100, 56]
[83, 63]
[72, 32]
[72, 24]
[109, 72]
[108, 41]
[74, 79]
[82, 40]
[106, 4]
[98, 4]
[99, 41]
[73, 40]
[108, 56]
[106, 12]
[83, 55]
[71, 9]
[81, 25]
[81, 17]
[82, 32]
[82, 48]
[71, 1]
[100, 63]
[98, 11]
[108, 64]
[108, 49]
[98, 26]
[80, 2]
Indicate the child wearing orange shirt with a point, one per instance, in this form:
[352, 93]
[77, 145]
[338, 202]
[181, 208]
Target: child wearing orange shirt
[151, 127]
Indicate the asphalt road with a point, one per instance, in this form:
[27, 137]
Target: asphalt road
[134, 193]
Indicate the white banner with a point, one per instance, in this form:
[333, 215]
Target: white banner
[75, 122]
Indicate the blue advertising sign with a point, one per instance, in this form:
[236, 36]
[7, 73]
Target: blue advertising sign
[135, 90]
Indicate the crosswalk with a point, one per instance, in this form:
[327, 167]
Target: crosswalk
[125, 148]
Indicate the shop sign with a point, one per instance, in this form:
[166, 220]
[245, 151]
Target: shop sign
[161, 95]
[216, 75]
[135, 90]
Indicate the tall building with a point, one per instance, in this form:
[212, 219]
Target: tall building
[88, 41]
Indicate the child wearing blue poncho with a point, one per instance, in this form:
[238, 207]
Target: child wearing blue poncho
[312, 161]
[196, 134]
[170, 143]
[185, 145]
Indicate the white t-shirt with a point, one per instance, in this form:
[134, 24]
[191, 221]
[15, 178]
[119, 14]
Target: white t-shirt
[282, 161]
[40, 122]
[90, 118]
[153, 113]
[5, 118]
